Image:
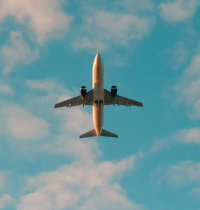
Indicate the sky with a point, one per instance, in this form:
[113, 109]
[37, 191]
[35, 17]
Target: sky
[151, 52]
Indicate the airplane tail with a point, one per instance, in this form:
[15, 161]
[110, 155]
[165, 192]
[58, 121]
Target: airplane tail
[88, 134]
[108, 134]
[93, 133]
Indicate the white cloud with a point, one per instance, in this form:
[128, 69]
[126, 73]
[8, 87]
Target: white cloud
[5, 88]
[135, 5]
[41, 85]
[45, 18]
[67, 124]
[3, 178]
[180, 53]
[73, 119]
[84, 150]
[18, 52]
[78, 120]
[101, 29]
[5, 201]
[196, 192]
[183, 136]
[157, 146]
[20, 124]
[179, 10]
[70, 123]
[188, 87]
[188, 135]
[81, 185]
[85, 42]
[182, 174]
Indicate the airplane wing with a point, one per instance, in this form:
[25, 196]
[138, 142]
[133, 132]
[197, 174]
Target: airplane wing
[109, 99]
[76, 101]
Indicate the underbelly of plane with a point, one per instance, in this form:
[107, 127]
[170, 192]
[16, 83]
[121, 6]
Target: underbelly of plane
[98, 117]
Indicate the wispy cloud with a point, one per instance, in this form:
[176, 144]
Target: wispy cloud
[158, 146]
[136, 6]
[45, 18]
[17, 52]
[181, 174]
[182, 136]
[5, 201]
[20, 124]
[3, 178]
[188, 135]
[41, 85]
[79, 186]
[178, 10]
[70, 123]
[101, 29]
[180, 54]
[4, 88]
[188, 87]
[23, 124]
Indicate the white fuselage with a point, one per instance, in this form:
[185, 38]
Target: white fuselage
[98, 98]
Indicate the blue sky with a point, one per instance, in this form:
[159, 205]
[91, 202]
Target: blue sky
[151, 51]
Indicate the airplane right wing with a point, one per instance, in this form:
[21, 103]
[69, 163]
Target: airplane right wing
[76, 101]
[120, 100]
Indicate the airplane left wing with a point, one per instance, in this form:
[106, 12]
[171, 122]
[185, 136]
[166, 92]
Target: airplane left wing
[76, 101]
[109, 99]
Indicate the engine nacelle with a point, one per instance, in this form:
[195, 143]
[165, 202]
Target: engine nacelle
[83, 91]
[113, 90]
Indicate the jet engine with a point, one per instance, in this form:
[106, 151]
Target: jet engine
[113, 90]
[83, 91]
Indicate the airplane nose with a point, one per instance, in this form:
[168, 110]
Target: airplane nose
[98, 57]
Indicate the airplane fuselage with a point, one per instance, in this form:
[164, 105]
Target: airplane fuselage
[98, 98]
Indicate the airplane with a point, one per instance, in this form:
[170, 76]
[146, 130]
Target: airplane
[98, 97]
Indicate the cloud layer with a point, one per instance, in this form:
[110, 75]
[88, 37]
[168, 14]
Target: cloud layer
[181, 174]
[17, 52]
[5, 201]
[101, 29]
[189, 85]
[81, 185]
[20, 124]
[179, 10]
[45, 18]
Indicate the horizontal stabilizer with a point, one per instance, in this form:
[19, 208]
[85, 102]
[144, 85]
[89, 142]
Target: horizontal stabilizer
[93, 133]
[108, 134]
[88, 134]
